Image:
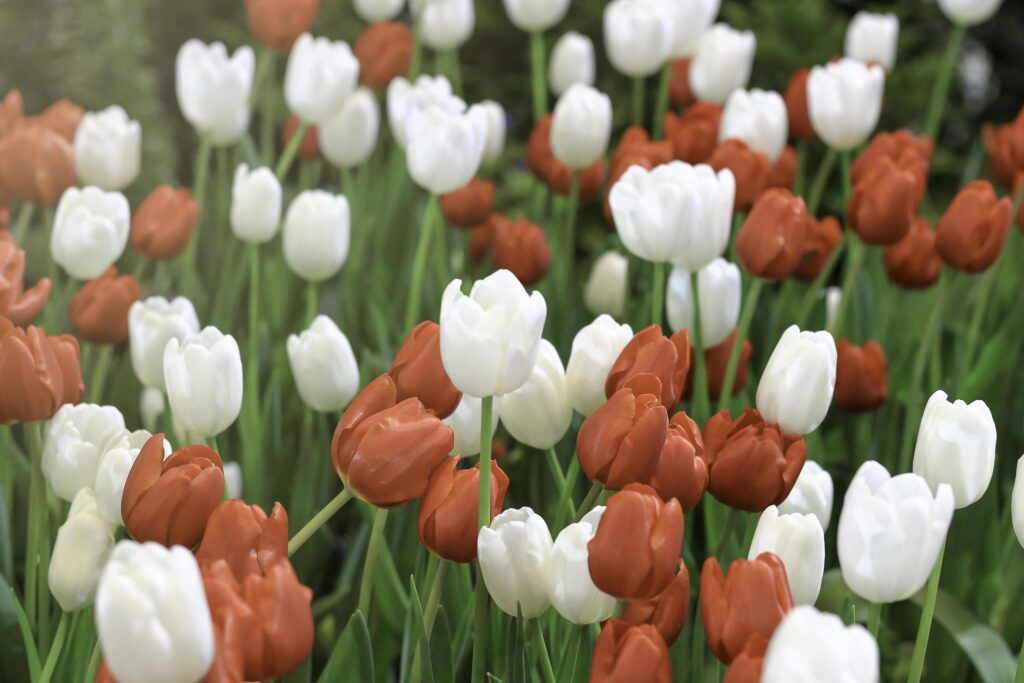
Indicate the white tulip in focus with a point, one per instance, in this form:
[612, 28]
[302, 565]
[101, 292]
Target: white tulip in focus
[638, 36]
[956, 445]
[758, 118]
[108, 149]
[1017, 501]
[80, 553]
[444, 24]
[348, 137]
[605, 291]
[324, 366]
[444, 150]
[514, 554]
[151, 407]
[891, 530]
[203, 373]
[538, 413]
[799, 541]
[690, 20]
[873, 38]
[75, 439]
[722, 63]
[316, 235]
[581, 127]
[112, 472]
[536, 15]
[719, 286]
[796, 386]
[571, 590]
[321, 74]
[372, 11]
[152, 617]
[496, 129]
[572, 61]
[213, 89]
[151, 324]
[465, 422]
[595, 349]
[844, 100]
[491, 338]
[674, 213]
[256, 197]
[811, 495]
[969, 13]
[811, 646]
[405, 98]
[90, 231]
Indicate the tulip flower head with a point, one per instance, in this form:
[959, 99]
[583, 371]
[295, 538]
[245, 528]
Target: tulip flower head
[536, 15]
[667, 611]
[811, 495]
[444, 24]
[623, 652]
[90, 231]
[324, 366]
[721, 63]
[581, 126]
[39, 373]
[321, 74]
[213, 89]
[17, 304]
[844, 100]
[971, 232]
[718, 284]
[514, 554]
[873, 38]
[255, 204]
[572, 61]
[681, 472]
[538, 413]
[245, 537]
[797, 384]
[862, 381]
[418, 372]
[694, 134]
[108, 149]
[447, 520]
[810, 646]
[650, 352]
[75, 440]
[151, 324]
[372, 11]
[594, 350]
[444, 150]
[914, 262]
[969, 13]
[384, 51]
[83, 544]
[277, 23]
[203, 375]
[115, 463]
[757, 118]
[99, 311]
[572, 591]
[405, 99]
[799, 541]
[316, 234]
[605, 291]
[638, 36]
[347, 138]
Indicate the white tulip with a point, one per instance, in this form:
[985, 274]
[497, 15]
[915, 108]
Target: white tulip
[873, 38]
[213, 89]
[465, 422]
[595, 348]
[152, 617]
[76, 437]
[348, 137]
[638, 36]
[571, 590]
[444, 24]
[796, 386]
[324, 366]
[811, 495]
[203, 373]
[496, 129]
[722, 63]
[1017, 501]
[833, 298]
[151, 405]
[844, 100]
[514, 553]
[605, 291]
[758, 118]
[316, 235]
[956, 445]
[538, 413]
[799, 541]
[581, 126]
[90, 231]
[811, 646]
[690, 20]
[572, 61]
[445, 150]
[536, 15]
[112, 472]
[969, 13]
[108, 149]
[491, 338]
[719, 286]
[256, 203]
[674, 213]
[83, 544]
[321, 73]
[891, 530]
[151, 324]
[405, 99]
[372, 11]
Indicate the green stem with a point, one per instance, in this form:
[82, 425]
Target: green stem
[800, 183]
[560, 480]
[306, 532]
[24, 220]
[542, 651]
[99, 374]
[564, 499]
[937, 103]
[199, 178]
[55, 649]
[588, 503]
[372, 550]
[36, 517]
[483, 517]
[924, 628]
[725, 532]
[700, 380]
[419, 265]
[480, 618]
[661, 103]
[658, 293]
[638, 101]
[874, 618]
[416, 65]
[820, 181]
[93, 665]
[312, 302]
[857, 253]
[288, 155]
[538, 75]
[568, 246]
[746, 316]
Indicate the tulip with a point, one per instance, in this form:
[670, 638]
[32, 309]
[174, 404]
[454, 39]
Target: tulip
[891, 530]
[811, 495]
[667, 611]
[406, 99]
[811, 646]
[969, 13]
[638, 36]
[605, 291]
[679, 93]
[466, 420]
[667, 358]
[681, 472]
[348, 137]
[623, 653]
[690, 20]
[536, 15]
[844, 100]
[444, 150]
[594, 350]
[747, 665]
[496, 130]
[244, 537]
[572, 61]
[970, 234]
[384, 51]
[151, 324]
[693, 134]
[824, 236]
[521, 248]
[909, 152]
[324, 366]
[119, 454]
[164, 222]
[914, 262]
[83, 544]
[1004, 146]
[861, 376]
[418, 372]
[758, 118]
[882, 206]
[447, 520]
[38, 373]
[277, 23]
[470, 205]
[635, 149]
[750, 601]
[36, 165]
[75, 440]
[90, 231]
[371, 11]
[873, 38]
[956, 445]
[721, 63]
[514, 554]
[203, 375]
[255, 204]
[213, 89]
[444, 24]
[570, 588]
[634, 554]
[718, 285]
[108, 149]
[771, 242]
[316, 234]
[751, 169]
[490, 339]
[17, 304]
[797, 383]
[538, 413]
[99, 311]
[582, 125]
[799, 541]
[321, 73]
[541, 160]
[127, 605]
[62, 117]
[1017, 501]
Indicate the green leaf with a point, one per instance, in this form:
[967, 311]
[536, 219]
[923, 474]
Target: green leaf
[353, 646]
[422, 642]
[441, 647]
[19, 659]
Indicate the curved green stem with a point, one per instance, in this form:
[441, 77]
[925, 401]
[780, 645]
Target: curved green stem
[380, 518]
[542, 651]
[313, 525]
[538, 76]
[288, 155]
[874, 618]
[98, 376]
[483, 519]
[820, 181]
[55, 649]
[924, 628]
[36, 517]
[24, 220]
[661, 103]
[419, 264]
[700, 380]
[937, 103]
[588, 503]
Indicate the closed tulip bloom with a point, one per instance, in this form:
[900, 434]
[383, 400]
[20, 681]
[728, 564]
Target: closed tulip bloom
[667, 611]
[316, 234]
[203, 375]
[605, 291]
[873, 38]
[405, 99]
[514, 554]
[90, 231]
[213, 89]
[970, 234]
[470, 205]
[17, 304]
[119, 454]
[445, 150]
[969, 13]
[799, 541]
[497, 127]
[151, 324]
[690, 20]
[844, 100]
[99, 311]
[797, 383]
[536, 15]
[629, 653]
[465, 423]
[667, 358]
[1004, 145]
[447, 520]
[1017, 502]
[956, 445]
[444, 24]
[693, 134]
[719, 286]
[108, 149]
[245, 538]
[758, 118]
[83, 544]
[637, 36]
[771, 241]
[371, 11]
[549, 169]
[538, 413]
[914, 262]
[42, 373]
[811, 495]
[181, 646]
[582, 125]
[862, 381]
[572, 60]
[324, 366]
[810, 646]
[681, 472]
[594, 350]
[752, 171]
[909, 152]
[634, 554]
[798, 114]
[882, 206]
[891, 530]
[573, 593]
[347, 138]
[721, 63]
[75, 440]
[62, 117]
[384, 51]
[824, 236]
[164, 222]
[321, 73]
[521, 248]
[277, 23]
[255, 204]
[418, 372]
[36, 165]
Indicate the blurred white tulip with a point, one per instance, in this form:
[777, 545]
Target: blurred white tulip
[316, 235]
[203, 373]
[90, 231]
[256, 203]
[324, 366]
[213, 89]
[538, 413]
[348, 137]
[321, 74]
[151, 324]
[108, 149]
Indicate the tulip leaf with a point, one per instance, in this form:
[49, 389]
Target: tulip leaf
[441, 647]
[352, 646]
[422, 641]
[19, 659]
[6, 553]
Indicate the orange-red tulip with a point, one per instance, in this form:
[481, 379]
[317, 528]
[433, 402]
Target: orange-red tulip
[38, 373]
[651, 352]
[750, 168]
[629, 654]
[384, 51]
[679, 92]
[914, 262]
[862, 381]
[882, 206]
[822, 239]
[800, 127]
[245, 538]
[470, 205]
[694, 135]
[772, 239]
[681, 472]
[783, 173]
[665, 612]
[17, 304]
[163, 224]
[520, 247]
[971, 233]
[1005, 147]
[99, 311]
[746, 667]
[36, 165]
[418, 372]
[278, 23]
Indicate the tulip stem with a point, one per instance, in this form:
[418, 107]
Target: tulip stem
[288, 155]
[480, 619]
[638, 101]
[538, 76]
[372, 550]
[542, 651]
[661, 103]
[312, 302]
[700, 380]
[1019, 676]
[937, 104]
[820, 181]
[24, 220]
[588, 502]
[856, 261]
[569, 246]
[658, 293]
[306, 532]
[93, 665]
[746, 316]
[925, 626]
[874, 618]
[55, 649]
[99, 374]
[560, 481]
[36, 517]
[725, 532]
[188, 272]
[419, 263]
[564, 500]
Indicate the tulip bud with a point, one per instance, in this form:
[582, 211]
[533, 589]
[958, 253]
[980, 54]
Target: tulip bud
[1004, 146]
[447, 520]
[541, 160]
[536, 16]
[813, 646]
[581, 126]
[956, 445]
[469, 205]
[99, 311]
[371, 11]
[873, 38]
[497, 126]
[822, 238]
[882, 206]
[747, 665]
[797, 383]
[405, 99]
[914, 262]
[444, 24]
[244, 537]
[444, 150]
[384, 51]
[16, 303]
[321, 73]
[108, 149]
[970, 234]
[347, 138]
[151, 324]
[799, 541]
[127, 605]
[605, 291]
[681, 472]
[862, 381]
[255, 204]
[163, 224]
[721, 63]
[594, 350]
[39, 373]
[83, 544]
[324, 366]
[572, 61]
[213, 89]
[570, 588]
[757, 118]
[538, 413]
[969, 13]
[637, 36]
[623, 652]
[915, 523]
[691, 19]
[907, 151]
[666, 611]
[1017, 502]
[12, 111]
[309, 143]
[418, 371]
[277, 23]
[811, 495]
[316, 235]
[36, 165]
[514, 554]
[90, 231]
[694, 134]
[116, 460]
[75, 440]
[719, 288]
[635, 551]
[667, 358]
[203, 375]
[521, 248]
[844, 100]
[750, 601]
[783, 173]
